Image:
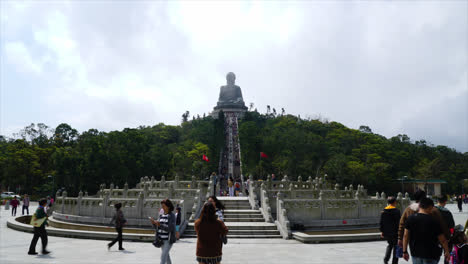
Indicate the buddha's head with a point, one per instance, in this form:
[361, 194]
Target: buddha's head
[231, 78]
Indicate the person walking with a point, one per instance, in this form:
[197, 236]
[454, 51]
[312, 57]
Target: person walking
[423, 235]
[460, 203]
[219, 207]
[166, 230]
[119, 221]
[231, 186]
[209, 231]
[460, 247]
[389, 220]
[26, 204]
[448, 219]
[412, 209]
[178, 221]
[14, 204]
[40, 231]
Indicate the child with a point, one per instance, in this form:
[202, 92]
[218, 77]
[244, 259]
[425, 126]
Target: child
[178, 220]
[459, 253]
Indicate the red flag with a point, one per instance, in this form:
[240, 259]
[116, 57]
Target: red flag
[205, 158]
[263, 155]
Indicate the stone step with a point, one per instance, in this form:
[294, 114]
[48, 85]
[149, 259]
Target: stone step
[243, 215]
[241, 232]
[246, 219]
[238, 207]
[252, 236]
[241, 211]
[243, 226]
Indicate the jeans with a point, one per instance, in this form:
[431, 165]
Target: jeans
[13, 211]
[417, 260]
[27, 209]
[38, 232]
[166, 247]
[392, 244]
[231, 191]
[118, 238]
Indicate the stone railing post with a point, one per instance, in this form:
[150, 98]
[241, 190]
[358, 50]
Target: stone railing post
[140, 204]
[162, 183]
[176, 181]
[64, 196]
[125, 190]
[193, 185]
[78, 203]
[170, 191]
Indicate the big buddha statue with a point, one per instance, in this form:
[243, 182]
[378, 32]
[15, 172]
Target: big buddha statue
[230, 95]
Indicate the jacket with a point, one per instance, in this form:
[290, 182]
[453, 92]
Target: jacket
[209, 243]
[412, 209]
[119, 219]
[448, 219]
[170, 228]
[389, 221]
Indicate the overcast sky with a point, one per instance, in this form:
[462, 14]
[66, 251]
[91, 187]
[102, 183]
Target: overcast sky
[399, 67]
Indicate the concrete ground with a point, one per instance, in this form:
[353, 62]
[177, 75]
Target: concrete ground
[14, 246]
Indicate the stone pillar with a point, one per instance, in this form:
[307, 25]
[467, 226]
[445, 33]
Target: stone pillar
[193, 185]
[78, 203]
[140, 205]
[162, 183]
[176, 181]
[171, 190]
[292, 191]
[64, 196]
[153, 183]
[125, 191]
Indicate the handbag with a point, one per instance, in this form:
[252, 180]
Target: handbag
[37, 222]
[224, 239]
[157, 240]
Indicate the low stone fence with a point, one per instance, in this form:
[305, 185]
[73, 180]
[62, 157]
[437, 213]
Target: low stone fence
[100, 210]
[314, 214]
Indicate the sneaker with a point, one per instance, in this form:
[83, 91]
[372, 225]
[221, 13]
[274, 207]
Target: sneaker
[32, 253]
[109, 246]
[121, 248]
[45, 252]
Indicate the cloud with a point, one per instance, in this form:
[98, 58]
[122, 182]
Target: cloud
[388, 65]
[18, 55]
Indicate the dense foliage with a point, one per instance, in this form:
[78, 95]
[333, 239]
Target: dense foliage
[43, 160]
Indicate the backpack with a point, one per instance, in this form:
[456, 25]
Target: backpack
[455, 256]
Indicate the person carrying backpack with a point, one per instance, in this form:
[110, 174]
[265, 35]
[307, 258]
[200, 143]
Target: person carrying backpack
[459, 253]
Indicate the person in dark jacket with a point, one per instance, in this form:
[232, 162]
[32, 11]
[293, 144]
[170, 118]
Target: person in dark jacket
[209, 231]
[389, 220]
[447, 219]
[40, 231]
[178, 216]
[120, 221]
[14, 204]
[460, 203]
[166, 230]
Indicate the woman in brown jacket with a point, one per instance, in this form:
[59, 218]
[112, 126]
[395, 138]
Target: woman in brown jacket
[209, 231]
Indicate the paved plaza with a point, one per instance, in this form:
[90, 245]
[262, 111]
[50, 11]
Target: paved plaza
[14, 246]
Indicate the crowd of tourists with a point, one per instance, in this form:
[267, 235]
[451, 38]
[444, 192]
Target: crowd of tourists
[210, 228]
[428, 230]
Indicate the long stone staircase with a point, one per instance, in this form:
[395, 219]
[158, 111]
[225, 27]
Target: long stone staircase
[241, 220]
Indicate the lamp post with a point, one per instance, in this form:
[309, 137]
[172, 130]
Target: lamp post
[403, 178]
[53, 184]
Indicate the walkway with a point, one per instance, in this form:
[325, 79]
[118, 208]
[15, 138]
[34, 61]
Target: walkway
[14, 245]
